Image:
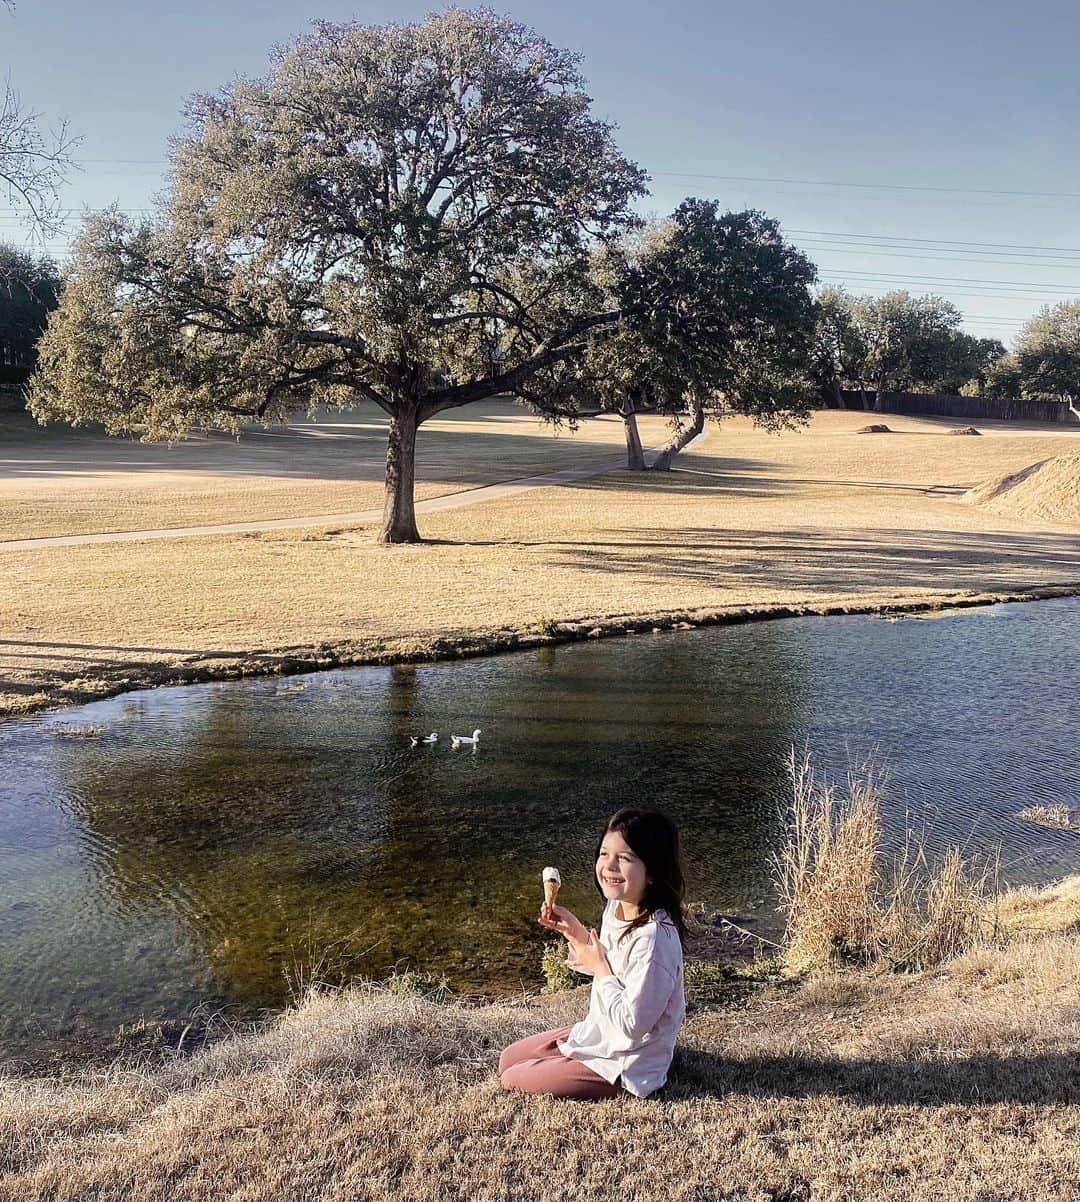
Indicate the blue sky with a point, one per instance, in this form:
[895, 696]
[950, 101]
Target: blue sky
[931, 146]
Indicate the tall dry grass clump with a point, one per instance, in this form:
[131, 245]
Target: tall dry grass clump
[846, 902]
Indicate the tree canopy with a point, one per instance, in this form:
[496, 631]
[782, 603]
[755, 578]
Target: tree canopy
[716, 318]
[1046, 359]
[895, 342]
[346, 229]
[29, 290]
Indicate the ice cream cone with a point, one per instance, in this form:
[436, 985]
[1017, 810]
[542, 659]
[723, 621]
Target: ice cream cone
[552, 881]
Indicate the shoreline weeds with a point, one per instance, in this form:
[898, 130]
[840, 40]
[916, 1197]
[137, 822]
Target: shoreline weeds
[104, 683]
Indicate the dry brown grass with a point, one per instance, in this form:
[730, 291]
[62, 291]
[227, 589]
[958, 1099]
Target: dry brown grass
[846, 901]
[955, 1084]
[1033, 911]
[58, 481]
[1059, 816]
[1048, 490]
[748, 519]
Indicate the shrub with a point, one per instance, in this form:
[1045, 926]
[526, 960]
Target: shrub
[410, 983]
[1058, 816]
[845, 902]
[557, 972]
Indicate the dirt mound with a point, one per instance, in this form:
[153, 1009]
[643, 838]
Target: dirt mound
[1047, 491]
[965, 430]
[874, 430]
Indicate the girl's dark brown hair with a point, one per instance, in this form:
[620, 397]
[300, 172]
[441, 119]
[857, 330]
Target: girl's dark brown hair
[654, 839]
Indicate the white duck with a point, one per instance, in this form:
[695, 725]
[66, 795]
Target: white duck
[465, 740]
[414, 740]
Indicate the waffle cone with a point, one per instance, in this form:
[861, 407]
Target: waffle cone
[551, 892]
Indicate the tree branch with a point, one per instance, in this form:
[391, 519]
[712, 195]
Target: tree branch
[560, 346]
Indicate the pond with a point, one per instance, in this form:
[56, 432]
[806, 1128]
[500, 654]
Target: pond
[216, 845]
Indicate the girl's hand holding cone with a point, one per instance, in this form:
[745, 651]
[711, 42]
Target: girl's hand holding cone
[561, 920]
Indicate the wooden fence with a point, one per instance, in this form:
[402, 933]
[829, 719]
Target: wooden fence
[935, 404]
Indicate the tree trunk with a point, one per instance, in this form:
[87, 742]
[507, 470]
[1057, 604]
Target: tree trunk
[399, 513]
[838, 394]
[879, 396]
[662, 463]
[635, 456]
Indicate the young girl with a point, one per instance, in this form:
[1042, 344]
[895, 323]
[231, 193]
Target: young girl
[637, 1003]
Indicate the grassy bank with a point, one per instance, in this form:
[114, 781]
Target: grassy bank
[52, 688]
[960, 1082]
[805, 521]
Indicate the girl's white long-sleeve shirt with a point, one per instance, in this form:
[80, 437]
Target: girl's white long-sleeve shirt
[636, 1013]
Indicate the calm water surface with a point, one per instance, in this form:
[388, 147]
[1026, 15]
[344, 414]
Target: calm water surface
[213, 841]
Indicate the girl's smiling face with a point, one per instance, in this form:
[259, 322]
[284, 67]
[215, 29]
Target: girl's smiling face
[620, 872]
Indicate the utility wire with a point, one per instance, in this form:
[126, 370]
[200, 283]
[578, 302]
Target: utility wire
[825, 183]
[959, 279]
[1072, 250]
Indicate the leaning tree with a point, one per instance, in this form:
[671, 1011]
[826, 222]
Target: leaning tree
[716, 317]
[352, 228]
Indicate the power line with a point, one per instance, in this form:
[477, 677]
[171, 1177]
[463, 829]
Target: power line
[762, 179]
[959, 279]
[913, 247]
[869, 252]
[936, 241]
[825, 183]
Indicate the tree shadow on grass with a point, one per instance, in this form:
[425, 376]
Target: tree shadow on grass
[730, 477]
[470, 447]
[827, 560]
[1050, 1078]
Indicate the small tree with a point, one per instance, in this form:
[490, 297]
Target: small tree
[967, 365]
[350, 229]
[621, 372]
[1047, 355]
[29, 290]
[907, 339]
[33, 163]
[839, 351]
[1003, 377]
[717, 318]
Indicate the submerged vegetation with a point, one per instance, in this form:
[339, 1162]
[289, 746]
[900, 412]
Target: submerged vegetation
[1060, 817]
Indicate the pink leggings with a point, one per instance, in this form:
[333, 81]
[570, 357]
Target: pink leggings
[535, 1065]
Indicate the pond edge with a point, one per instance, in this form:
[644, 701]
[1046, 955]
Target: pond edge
[452, 645]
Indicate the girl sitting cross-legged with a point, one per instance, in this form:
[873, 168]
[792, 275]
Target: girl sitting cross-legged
[637, 1002]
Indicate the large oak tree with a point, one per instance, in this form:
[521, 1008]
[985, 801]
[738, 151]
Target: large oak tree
[348, 229]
